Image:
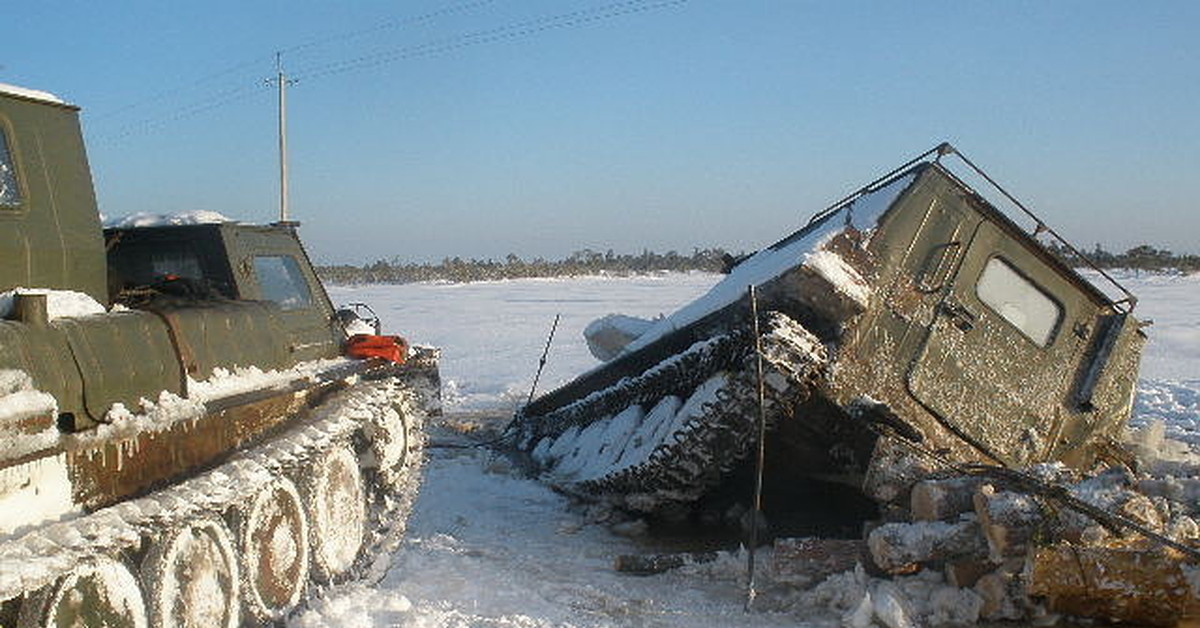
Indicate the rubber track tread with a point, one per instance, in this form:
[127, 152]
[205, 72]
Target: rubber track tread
[680, 373]
[694, 458]
[42, 555]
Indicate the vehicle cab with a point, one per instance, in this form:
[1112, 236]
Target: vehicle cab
[161, 267]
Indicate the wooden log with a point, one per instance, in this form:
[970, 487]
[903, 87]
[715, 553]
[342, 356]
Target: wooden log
[1142, 510]
[1182, 528]
[805, 560]
[893, 470]
[1008, 520]
[900, 548]
[963, 574]
[650, 564]
[1117, 495]
[1129, 584]
[1184, 491]
[943, 500]
[1003, 596]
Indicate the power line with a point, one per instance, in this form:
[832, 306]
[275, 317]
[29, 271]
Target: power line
[261, 60]
[255, 87]
[164, 95]
[387, 25]
[221, 99]
[244, 87]
[518, 30]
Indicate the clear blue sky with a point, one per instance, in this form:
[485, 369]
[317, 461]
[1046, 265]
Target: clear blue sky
[480, 128]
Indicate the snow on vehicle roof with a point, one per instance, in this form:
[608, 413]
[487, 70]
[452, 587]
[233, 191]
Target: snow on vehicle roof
[862, 214]
[146, 219]
[35, 94]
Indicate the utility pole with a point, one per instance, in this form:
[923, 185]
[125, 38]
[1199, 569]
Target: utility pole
[282, 81]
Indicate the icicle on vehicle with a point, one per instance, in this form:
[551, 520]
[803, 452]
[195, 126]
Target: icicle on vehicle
[909, 323]
[196, 451]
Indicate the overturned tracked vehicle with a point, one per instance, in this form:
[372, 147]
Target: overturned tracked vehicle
[183, 439]
[909, 326]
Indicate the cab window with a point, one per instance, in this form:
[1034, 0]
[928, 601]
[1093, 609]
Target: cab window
[1019, 301]
[10, 192]
[282, 281]
[176, 263]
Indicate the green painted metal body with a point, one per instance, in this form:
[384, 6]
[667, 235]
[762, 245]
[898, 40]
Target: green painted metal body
[49, 226]
[51, 238]
[129, 411]
[953, 337]
[947, 364]
[178, 303]
[942, 357]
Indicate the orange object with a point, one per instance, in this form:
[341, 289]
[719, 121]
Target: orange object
[362, 346]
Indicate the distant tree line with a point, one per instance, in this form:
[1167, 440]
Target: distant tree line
[1141, 257]
[585, 262]
[589, 262]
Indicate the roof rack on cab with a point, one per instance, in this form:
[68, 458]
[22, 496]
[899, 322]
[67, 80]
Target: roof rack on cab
[1126, 303]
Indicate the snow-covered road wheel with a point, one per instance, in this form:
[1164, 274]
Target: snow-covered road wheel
[390, 445]
[337, 513]
[104, 593]
[273, 543]
[191, 577]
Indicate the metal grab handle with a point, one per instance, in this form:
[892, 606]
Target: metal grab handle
[938, 267]
[963, 318]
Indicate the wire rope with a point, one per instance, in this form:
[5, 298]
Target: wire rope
[241, 91]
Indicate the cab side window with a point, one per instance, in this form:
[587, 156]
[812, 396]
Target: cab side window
[282, 281]
[10, 192]
[1019, 301]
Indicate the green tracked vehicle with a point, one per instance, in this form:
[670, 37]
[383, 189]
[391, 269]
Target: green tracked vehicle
[182, 440]
[908, 327]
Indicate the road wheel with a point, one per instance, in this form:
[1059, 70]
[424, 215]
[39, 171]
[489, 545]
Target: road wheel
[390, 446]
[103, 593]
[273, 543]
[191, 577]
[337, 511]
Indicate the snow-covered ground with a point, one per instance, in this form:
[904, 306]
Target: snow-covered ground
[489, 548]
[492, 334]
[1169, 389]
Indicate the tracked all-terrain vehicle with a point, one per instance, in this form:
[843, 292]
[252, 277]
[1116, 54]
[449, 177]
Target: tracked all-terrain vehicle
[909, 325]
[183, 441]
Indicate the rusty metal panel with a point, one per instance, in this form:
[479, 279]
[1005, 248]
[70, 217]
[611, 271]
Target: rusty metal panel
[115, 469]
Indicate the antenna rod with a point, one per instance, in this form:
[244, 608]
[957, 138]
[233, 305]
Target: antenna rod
[756, 509]
[542, 362]
[283, 154]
